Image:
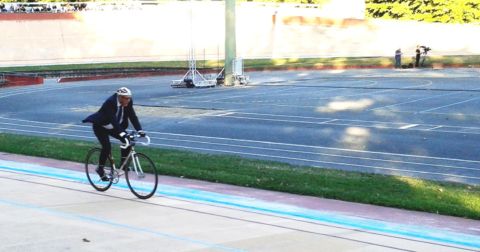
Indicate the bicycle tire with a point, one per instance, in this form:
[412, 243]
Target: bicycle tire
[91, 164]
[142, 184]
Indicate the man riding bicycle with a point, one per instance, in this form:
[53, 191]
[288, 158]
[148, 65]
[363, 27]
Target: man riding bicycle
[112, 120]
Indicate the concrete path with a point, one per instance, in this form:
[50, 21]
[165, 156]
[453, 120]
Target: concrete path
[47, 205]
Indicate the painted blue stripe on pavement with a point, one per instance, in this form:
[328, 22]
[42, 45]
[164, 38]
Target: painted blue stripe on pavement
[115, 224]
[413, 231]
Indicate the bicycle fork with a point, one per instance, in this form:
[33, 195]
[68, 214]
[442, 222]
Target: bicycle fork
[137, 166]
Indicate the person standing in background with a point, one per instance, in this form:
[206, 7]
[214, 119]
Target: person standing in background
[417, 56]
[398, 58]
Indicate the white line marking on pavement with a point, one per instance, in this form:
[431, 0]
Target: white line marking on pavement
[408, 126]
[449, 105]
[416, 100]
[267, 149]
[274, 156]
[267, 143]
[321, 162]
[329, 121]
[434, 128]
[224, 114]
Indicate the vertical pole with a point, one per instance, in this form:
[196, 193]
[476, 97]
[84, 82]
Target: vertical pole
[230, 41]
[191, 57]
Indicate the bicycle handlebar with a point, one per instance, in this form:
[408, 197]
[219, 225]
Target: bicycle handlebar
[132, 140]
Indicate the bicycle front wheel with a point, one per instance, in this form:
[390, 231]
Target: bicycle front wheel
[142, 176]
[91, 165]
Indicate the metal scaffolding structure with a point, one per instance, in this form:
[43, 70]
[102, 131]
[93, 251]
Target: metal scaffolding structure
[193, 78]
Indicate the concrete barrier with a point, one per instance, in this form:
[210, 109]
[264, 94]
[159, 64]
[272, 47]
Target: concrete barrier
[115, 76]
[10, 80]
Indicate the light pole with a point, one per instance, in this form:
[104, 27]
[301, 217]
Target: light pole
[230, 41]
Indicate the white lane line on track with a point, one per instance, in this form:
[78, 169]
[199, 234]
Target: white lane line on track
[220, 115]
[407, 102]
[35, 89]
[278, 157]
[265, 102]
[321, 119]
[304, 98]
[319, 154]
[453, 114]
[449, 105]
[329, 121]
[257, 104]
[22, 92]
[408, 126]
[196, 93]
[276, 150]
[262, 148]
[254, 94]
[434, 128]
[322, 162]
[350, 120]
[385, 125]
[308, 117]
[420, 99]
[278, 144]
[276, 101]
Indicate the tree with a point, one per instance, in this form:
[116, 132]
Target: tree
[444, 11]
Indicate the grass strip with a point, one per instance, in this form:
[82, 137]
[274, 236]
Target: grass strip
[337, 62]
[392, 191]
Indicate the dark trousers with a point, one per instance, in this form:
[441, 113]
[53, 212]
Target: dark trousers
[398, 61]
[102, 135]
[417, 60]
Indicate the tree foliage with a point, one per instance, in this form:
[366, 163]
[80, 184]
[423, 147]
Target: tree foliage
[443, 11]
[320, 2]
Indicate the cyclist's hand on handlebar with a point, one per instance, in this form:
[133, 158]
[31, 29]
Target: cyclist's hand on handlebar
[142, 133]
[125, 135]
[125, 138]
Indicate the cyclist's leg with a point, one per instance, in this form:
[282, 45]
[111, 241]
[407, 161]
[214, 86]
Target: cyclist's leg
[123, 152]
[102, 135]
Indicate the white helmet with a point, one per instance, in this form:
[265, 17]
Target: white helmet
[123, 91]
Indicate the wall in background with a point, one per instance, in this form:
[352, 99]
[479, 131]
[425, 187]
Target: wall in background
[165, 32]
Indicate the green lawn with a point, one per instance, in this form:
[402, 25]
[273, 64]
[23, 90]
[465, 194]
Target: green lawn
[393, 191]
[271, 64]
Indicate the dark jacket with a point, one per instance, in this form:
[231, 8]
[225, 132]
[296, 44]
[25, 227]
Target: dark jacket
[107, 115]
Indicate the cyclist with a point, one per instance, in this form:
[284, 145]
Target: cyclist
[112, 120]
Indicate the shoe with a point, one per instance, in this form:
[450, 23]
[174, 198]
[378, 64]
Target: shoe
[101, 173]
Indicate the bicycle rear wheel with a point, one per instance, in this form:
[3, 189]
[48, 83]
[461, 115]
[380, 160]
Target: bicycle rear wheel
[91, 164]
[142, 176]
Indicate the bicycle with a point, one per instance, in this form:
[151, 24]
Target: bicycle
[139, 170]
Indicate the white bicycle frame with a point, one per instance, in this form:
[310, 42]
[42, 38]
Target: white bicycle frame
[132, 155]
